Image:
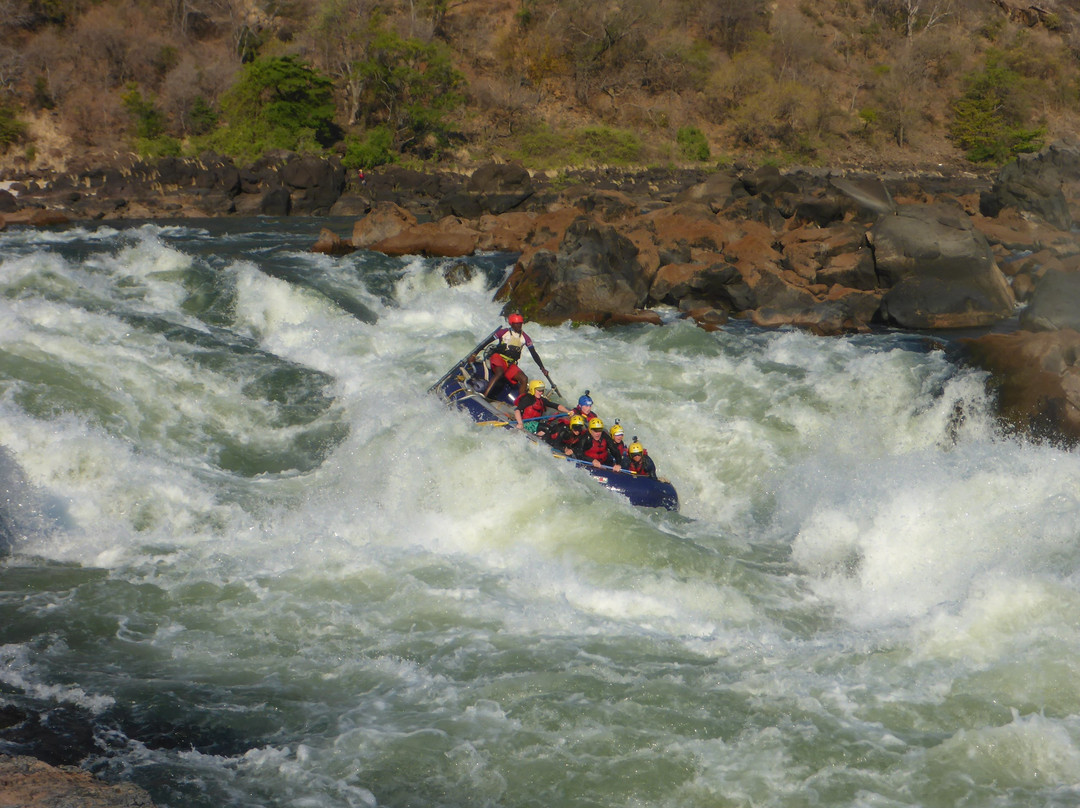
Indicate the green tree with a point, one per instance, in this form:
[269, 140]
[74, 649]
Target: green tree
[411, 87]
[991, 119]
[12, 130]
[277, 103]
[693, 144]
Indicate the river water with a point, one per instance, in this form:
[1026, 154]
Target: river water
[249, 561]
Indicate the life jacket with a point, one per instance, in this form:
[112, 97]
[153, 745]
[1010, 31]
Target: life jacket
[509, 346]
[598, 450]
[534, 410]
[639, 466]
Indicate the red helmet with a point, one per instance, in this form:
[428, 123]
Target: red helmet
[516, 319]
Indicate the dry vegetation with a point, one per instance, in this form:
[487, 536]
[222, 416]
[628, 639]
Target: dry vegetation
[550, 82]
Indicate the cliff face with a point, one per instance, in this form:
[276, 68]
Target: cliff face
[551, 83]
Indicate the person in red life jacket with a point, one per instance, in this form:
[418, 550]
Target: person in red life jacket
[598, 447]
[640, 462]
[566, 438]
[584, 408]
[617, 436]
[531, 406]
[506, 353]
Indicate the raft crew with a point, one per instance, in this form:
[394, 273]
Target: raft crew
[503, 357]
[616, 433]
[598, 447]
[566, 438]
[584, 408]
[530, 408]
[640, 462]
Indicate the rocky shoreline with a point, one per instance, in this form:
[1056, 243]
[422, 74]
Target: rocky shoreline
[832, 252]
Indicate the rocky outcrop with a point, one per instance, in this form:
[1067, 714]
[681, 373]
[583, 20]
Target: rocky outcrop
[28, 783]
[1036, 377]
[940, 272]
[594, 275]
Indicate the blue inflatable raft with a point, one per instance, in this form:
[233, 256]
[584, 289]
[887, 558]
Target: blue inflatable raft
[462, 387]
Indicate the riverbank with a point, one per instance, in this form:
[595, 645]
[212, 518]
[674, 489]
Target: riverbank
[831, 251]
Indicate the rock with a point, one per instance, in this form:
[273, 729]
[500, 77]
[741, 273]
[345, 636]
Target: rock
[939, 270]
[595, 274]
[48, 218]
[8, 202]
[318, 183]
[29, 783]
[447, 238]
[1032, 184]
[276, 202]
[384, 221]
[868, 193]
[1036, 376]
[1054, 304]
[491, 178]
[458, 273]
[330, 243]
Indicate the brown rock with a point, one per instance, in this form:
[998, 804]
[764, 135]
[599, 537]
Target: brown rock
[505, 233]
[385, 220]
[1037, 379]
[48, 218]
[446, 238]
[28, 783]
[330, 243]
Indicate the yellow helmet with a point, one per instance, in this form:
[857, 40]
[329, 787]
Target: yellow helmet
[616, 431]
[576, 420]
[596, 423]
[636, 448]
[536, 386]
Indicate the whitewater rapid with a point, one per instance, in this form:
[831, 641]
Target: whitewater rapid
[246, 548]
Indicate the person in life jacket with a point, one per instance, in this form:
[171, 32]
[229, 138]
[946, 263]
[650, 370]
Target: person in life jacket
[640, 462]
[617, 436]
[584, 408]
[566, 438]
[504, 356]
[530, 408]
[598, 447]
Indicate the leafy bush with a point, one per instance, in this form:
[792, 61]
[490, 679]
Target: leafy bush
[149, 121]
[693, 144]
[990, 120]
[411, 87]
[12, 130]
[602, 144]
[374, 149]
[277, 103]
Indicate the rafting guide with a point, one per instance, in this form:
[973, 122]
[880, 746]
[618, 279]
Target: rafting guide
[504, 355]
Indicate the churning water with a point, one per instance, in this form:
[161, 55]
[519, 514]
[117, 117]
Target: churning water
[248, 561]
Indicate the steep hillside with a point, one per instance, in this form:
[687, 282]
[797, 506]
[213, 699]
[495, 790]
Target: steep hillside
[890, 83]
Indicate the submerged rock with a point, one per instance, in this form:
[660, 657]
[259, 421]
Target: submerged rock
[28, 783]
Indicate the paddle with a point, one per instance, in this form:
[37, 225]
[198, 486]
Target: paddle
[554, 386]
[523, 420]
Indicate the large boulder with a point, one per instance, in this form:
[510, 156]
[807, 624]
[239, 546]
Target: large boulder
[939, 270]
[446, 238]
[384, 221]
[1054, 304]
[316, 183]
[1031, 184]
[1036, 376]
[594, 276]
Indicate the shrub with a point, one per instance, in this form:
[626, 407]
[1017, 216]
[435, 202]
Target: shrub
[602, 144]
[374, 149]
[990, 120]
[277, 103]
[693, 144]
[12, 130]
[149, 121]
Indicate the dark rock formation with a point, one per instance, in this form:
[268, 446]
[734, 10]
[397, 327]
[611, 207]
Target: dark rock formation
[939, 270]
